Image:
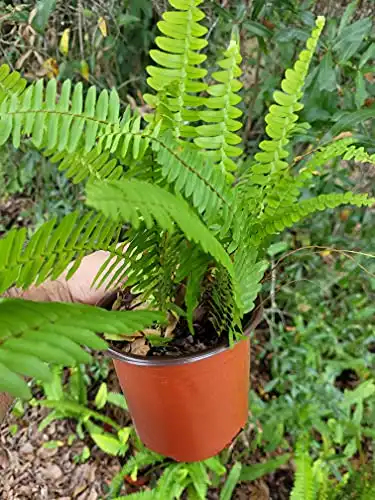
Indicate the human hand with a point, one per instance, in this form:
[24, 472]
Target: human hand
[77, 289]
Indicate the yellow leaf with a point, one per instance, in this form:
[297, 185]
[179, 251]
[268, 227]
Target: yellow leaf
[52, 68]
[345, 214]
[102, 26]
[64, 42]
[325, 253]
[85, 72]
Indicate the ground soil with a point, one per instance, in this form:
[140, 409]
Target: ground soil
[336, 8]
[12, 213]
[30, 471]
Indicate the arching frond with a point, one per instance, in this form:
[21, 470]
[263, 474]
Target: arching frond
[178, 77]
[141, 203]
[53, 247]
[219, 137]
[280, 122]
[304, 208]
[322, 156]
[33, 334]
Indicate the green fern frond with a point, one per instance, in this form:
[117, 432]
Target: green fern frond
[10, 83]
[304, 208]
[321, 479]
[223, 308]
[156, 263]
[33, 334]
[52, 248]
[81, 166]
[142, 260]
[303, 488]
[219, 137]
[195, 177]
[141, 203]
[178, 76]
[322, 156]
[58, 122]
[359, 154]
[248, 275]
[194, 288]
[345, 148]
[280, 121]
[160, 278]
[289, 187]
[126, 140]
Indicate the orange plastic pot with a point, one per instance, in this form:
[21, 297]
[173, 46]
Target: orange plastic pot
[187, 408]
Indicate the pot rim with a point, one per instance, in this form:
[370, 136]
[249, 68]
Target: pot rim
[165, 360]
[186, 359]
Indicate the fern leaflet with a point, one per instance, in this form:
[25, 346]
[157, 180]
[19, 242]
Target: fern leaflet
[80, 166]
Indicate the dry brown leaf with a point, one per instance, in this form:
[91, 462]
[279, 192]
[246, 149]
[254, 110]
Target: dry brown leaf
[172, 323]
[22, 59]
[151, 331]
[124, 337]
[39, 58]
[343, 135]
[259, 491]
[140, 347]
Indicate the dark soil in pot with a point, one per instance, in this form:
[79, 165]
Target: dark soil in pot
[181, 344]
[179, 341]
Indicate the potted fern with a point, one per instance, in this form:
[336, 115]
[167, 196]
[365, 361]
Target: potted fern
[195, 241]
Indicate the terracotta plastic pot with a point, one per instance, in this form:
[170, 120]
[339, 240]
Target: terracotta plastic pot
[187, 408]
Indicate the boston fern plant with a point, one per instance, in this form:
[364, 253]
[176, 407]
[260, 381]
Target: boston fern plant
[193, 227]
